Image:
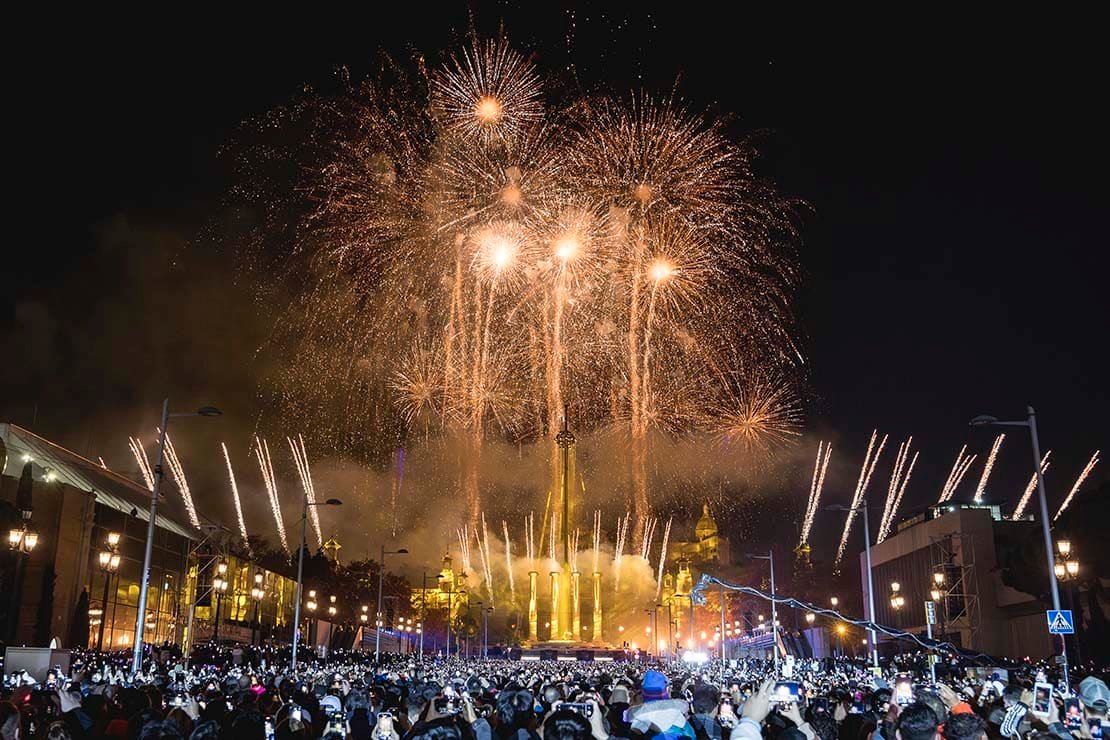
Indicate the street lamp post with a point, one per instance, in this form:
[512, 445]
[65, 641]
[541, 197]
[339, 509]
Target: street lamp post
[219, 586]
[109, 564]
[770, 558]
[870, 585]
[381, 579]
[257, 592]
[300, 570]
[1067, 570]
[1031, 423]
[144, 577]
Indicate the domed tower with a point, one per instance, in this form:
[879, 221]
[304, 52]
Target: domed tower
[708, 537]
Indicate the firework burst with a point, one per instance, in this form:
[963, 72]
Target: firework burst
[517, 247]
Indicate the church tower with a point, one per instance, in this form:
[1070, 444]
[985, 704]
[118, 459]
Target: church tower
[708, 537]
[331, 550]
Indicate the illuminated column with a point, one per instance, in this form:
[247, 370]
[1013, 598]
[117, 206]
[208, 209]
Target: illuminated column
[597, 608]
[575, 607]
[533, 610]
[555, 633]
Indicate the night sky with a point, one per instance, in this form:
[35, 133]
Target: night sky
[954, 252]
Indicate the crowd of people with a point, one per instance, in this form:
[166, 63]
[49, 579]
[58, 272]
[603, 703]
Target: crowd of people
[232, 693]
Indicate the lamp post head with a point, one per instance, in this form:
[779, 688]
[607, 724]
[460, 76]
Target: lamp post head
[209, 411]
[983, 421]
[402, 551]
[333, 502]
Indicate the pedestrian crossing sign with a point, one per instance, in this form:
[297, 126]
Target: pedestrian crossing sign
[1060, 622]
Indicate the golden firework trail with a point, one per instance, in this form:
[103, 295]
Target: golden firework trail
[235, 498]
[142, 460]
[981, 487]
[574, 551]
[266, 467]
[1078, 482]
[483, 551]
[648, 535]
[510, 246]
[820, 467]
[618, 550]
[102, 463]
[662, 558]
[869, 463]
[899, 478]
[597, 541]
[509, 560]
[300, 460]
[464, 548]
[530, 538]
[959, 467]
[178, 473]
[1027, 494]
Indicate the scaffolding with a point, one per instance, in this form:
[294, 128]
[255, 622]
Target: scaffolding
[953, 555]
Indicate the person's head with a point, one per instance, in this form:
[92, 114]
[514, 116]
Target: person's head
[182, 720]
[965, 726]
[824, 727]
[1094, 696]
[706, 697]
[249, 726]
[566, 724]
[654, 686]
[161, 730]
[207, 730]
[444, 728]
[9, 721]
[515, 709]
[58, 730]
[916, 722]
[934, 702]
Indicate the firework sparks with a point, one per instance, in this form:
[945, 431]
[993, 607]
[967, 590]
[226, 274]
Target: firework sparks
[142, 461]
[1027, 494]
[464, 548]
[899, 478]
[820, 466]
[1078, 482]
[662, 558]
[626, 243]
[597, 541]
[178, 473]
[869, 463]
[509, 560]
[300, 459]
[483, 552]
[981, 487]
[618, 552]
[235, 497]
[955, 475]
[266, 467]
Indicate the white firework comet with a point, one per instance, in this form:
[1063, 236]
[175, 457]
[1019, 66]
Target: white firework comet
[1078, 482]
[981, 487]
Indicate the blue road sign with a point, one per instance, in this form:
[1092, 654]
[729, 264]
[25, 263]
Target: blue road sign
[1060, 623]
